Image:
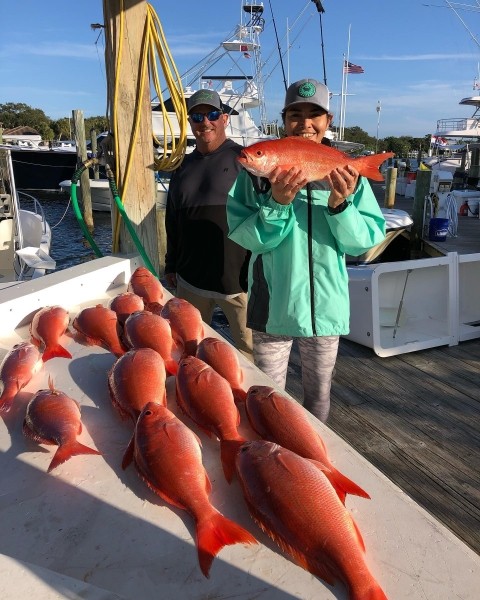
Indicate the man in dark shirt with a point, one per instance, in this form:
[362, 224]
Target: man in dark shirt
[204, 266]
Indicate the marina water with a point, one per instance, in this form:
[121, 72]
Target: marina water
[69, 246]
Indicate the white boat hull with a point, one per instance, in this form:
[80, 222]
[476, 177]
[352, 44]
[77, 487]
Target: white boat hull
[102, 196]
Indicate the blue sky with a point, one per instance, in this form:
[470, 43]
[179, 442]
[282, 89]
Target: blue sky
[419, 59]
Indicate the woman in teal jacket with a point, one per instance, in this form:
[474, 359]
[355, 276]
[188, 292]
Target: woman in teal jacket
[298, 234]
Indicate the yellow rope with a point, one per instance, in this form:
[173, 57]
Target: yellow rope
[154, 48]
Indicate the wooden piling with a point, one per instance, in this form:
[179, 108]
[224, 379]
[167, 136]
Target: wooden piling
[422, 189]
[390, 187]
[79, 127]
[93, 143]
[129, 100]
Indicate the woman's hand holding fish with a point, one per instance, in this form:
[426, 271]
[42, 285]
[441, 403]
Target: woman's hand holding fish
[286, 184]
[342, 182]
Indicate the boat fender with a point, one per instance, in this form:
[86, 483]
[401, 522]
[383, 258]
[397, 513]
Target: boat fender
[463, 210]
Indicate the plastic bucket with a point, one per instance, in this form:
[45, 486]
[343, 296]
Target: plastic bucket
[473, 207]
[437, 230]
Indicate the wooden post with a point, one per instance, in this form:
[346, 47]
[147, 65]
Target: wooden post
[79, 128]
[93, 143]
[390, 187]
[422, 189]
[124, 79]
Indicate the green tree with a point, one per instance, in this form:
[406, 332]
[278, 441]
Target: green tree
[17, 114]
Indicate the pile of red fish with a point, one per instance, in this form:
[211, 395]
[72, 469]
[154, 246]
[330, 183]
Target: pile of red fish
[290, 487]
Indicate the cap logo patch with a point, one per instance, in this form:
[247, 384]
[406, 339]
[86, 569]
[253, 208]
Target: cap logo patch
[204, 96]
[306, 90]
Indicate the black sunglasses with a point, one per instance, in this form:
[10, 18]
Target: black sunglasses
[213, 115]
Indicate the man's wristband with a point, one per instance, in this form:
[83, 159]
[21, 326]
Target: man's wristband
[340, 208]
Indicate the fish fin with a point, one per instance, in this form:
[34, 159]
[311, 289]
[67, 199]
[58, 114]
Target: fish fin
[318, 568]
[369, 166]
[128, 454]
[345, 486]
[36, 342]
[215, 532]
[228, 453]
[358, 534]
[6, 400]
[172, 366]
[239, 395]
[66, 451]
[55, 351]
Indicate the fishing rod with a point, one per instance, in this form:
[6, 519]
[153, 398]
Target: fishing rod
[278, 46]
[320, 11]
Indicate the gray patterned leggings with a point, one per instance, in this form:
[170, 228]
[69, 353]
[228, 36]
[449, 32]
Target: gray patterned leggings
[271, 354]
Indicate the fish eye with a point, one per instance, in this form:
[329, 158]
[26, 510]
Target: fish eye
[148, 412]
[259, 153]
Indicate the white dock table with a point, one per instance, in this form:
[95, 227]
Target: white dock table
[91, 530]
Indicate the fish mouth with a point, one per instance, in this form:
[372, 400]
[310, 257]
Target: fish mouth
[244, 157]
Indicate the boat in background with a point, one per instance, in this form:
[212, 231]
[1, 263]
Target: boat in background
[25, 235]
[101, 194]
[241, 88]
[462, 128]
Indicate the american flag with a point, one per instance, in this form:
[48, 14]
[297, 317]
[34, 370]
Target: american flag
[349, 67]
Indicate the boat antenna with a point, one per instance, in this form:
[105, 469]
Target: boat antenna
[321, 10]
[278, 46]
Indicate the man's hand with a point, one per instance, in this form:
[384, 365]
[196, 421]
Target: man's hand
[171, 279]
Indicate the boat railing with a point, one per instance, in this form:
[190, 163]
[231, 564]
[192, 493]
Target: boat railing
[446, 125]
[37, 208]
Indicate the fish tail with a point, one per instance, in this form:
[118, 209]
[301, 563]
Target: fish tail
[239, 394]
[369, 166]
[228, 453]
[215, 532]
[343, 485]
[66, 451]
[55, 351]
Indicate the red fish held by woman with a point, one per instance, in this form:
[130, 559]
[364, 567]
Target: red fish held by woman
[16, 370]
[48, 325]
[52, 417]
[167, 456]
[316, 160]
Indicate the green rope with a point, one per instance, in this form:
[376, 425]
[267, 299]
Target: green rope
[128, 223]
[78, 212]
[121, 210]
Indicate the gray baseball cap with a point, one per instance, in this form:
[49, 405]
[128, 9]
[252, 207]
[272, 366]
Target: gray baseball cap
[209, 97]
[307, 90]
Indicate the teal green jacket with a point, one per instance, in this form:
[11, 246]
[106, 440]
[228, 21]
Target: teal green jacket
[297, 276]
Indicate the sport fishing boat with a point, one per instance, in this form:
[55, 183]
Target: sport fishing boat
[25, 235]
[241, 88]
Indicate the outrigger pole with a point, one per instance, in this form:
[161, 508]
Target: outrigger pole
[321, 10]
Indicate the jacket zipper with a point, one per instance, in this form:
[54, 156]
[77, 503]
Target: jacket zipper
[310, 258]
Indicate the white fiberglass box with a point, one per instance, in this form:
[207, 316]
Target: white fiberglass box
[468, 296]
[403, 306]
